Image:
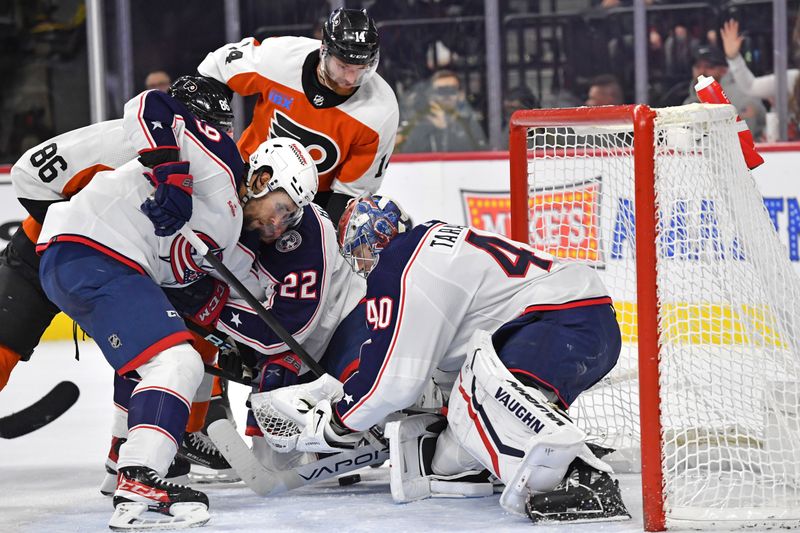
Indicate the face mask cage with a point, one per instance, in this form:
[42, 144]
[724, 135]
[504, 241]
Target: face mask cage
[367, 229]
[331, 71]
[354, 255]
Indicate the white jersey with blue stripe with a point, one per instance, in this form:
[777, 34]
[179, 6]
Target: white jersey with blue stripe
[431, 289]
[106, 214]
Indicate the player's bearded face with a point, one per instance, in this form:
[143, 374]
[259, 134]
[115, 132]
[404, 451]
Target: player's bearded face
[343, 75]
[270, 215]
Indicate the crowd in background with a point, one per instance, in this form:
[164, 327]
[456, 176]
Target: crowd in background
[554, 54]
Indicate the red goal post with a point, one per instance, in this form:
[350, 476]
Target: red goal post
[585, 183]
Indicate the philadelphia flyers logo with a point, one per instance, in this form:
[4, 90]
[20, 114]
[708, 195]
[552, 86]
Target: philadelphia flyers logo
[322, 148]
[184, 259]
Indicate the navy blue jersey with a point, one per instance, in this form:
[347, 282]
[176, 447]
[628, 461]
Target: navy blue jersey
[306, 285]
[156, 114]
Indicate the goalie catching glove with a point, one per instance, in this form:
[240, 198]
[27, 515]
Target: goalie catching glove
[301, 417]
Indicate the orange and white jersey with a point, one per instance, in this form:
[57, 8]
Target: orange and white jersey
[350, 137]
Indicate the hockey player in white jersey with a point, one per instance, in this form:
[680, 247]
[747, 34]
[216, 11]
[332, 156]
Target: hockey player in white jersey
[54, 171]
[325, 94]
[109, 251]
[523, 334]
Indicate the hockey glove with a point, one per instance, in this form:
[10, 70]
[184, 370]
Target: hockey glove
[322, 435]
[279, 371]
[283, 413]
[276, 372]
[171, 205]
[201, 302]
[237, 363]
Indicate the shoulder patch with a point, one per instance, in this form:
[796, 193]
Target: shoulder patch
[288, 242]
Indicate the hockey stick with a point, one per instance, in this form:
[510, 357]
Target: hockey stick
[222, 345]
[252, 301]
[267, 482]
[49, 407]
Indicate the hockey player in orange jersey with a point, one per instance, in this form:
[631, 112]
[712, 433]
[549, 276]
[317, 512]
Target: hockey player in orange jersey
[325, 94]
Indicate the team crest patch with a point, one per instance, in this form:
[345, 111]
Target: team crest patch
[186, 263]
[319, 100]
[288, 242]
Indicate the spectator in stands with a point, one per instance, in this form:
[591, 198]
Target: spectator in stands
[520, 97]
[678, 49]
[157, 79]
[447, 124]
[710, 61]
[763, 87]
[605, 90]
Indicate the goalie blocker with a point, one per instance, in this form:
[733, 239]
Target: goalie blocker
[496, 423]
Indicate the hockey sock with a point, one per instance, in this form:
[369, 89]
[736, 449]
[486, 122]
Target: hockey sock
[8, 360]
[197, 416]
[159, 408]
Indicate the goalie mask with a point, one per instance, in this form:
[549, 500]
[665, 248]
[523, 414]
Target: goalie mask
[291, 168]
[367, 226]
[206, 99]
[349, 53]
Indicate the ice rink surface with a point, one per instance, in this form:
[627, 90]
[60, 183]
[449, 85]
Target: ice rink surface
[49, 479]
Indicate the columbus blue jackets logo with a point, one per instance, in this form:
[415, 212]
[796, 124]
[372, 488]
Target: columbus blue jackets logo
[185, 261]
[289, 241]
[322, 148]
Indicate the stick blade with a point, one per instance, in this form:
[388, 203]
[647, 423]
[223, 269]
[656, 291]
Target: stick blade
[241, 458]
[49, 407]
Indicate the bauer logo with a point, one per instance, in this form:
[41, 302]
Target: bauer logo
[563, 222]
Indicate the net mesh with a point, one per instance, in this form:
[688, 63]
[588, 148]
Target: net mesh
[728, 296]
[279, 431]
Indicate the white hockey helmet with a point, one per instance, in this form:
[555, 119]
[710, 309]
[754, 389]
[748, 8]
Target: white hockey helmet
[291, 167]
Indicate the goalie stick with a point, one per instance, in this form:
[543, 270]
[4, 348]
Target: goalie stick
[49, 407]
[267, 482]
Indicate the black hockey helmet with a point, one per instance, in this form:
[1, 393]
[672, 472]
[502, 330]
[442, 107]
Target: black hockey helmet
[205, 98]
[351, 35]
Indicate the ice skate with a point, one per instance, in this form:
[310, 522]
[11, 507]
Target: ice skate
[207, 463]
[585, 495]
[177, 473]
[143, 500]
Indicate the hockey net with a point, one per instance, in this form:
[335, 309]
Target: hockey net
[706, 297]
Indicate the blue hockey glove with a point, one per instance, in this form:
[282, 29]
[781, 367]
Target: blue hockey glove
[171, 205]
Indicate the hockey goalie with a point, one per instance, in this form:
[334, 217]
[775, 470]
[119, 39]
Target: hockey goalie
[521, 335]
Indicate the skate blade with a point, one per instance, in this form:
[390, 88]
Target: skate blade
[202, 475]
[134, 516]
[573, 518]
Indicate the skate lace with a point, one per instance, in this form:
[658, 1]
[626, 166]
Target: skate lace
[163, 483]
[204, 444]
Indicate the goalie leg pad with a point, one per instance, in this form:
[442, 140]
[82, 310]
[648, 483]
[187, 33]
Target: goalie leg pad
[412, 442]
[502, 423]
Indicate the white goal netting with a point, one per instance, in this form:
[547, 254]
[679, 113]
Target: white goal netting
[729, 304]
